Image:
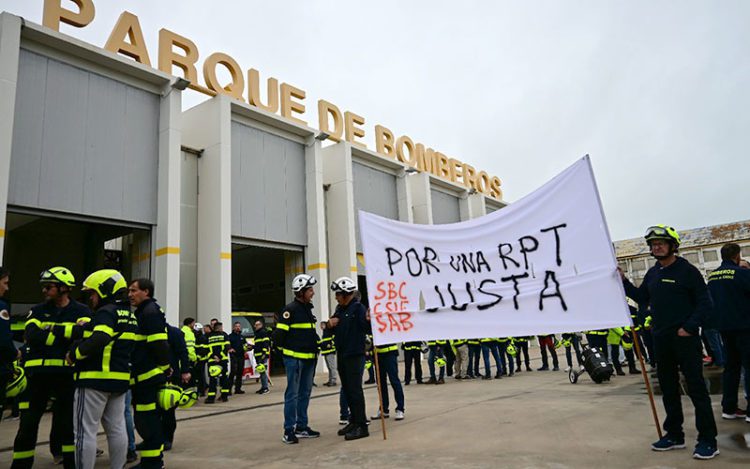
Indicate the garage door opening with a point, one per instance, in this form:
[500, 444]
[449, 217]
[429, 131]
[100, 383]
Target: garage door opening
[34, 243]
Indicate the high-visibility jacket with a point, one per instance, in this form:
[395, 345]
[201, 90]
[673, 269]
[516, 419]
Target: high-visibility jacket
[614, 336]
[49, 333]
[412, 346]
[151, 353]
[381, 350]
[295, 332]
[102, 361]
[189, 335]
[218, 346]
[261, 344]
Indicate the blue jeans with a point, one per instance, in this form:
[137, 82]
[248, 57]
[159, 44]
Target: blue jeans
[486, 349]
[299, 381]
[431, 363]
[388, 364]
[129, 427]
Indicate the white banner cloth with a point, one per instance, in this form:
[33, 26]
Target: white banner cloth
[542, 265]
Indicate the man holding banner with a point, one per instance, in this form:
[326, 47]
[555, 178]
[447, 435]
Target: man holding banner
[680, 304]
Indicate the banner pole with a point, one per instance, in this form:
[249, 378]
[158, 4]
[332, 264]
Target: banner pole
[380, 396]
[636, 343]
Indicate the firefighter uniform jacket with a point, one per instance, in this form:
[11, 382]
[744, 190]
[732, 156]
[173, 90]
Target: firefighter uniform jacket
[151, 353]
[7, 349]
[326, 344]
[189, 337]
[262, 344]
[102, 361]
[730, 289]
[406, 346]
[218, 346]
[295, 332]
[49, 331]
[386, 349]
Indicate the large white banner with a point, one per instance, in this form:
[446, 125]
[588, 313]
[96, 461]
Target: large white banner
[542, 265]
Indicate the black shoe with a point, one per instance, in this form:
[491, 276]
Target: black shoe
[132, 456]
[528, 368]
[406, 383]
[370, 381]
[620, 373]
[289, 438]
[543, 368]
[264, 391]
[360, 431]
[557, 368]
[306, 432]
[349, 427]
[209, 400]
[499, 376]
[440, 381]
[430, 381]
[167, 446]
[239, 391]
[635, 371]
[487, 377]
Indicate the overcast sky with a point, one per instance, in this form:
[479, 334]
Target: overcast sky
[657, 92]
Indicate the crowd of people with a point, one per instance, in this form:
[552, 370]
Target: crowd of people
[116, 362]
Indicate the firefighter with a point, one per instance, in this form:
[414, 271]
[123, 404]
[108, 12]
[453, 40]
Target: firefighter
[412, 354]
[201, 355]
[436, 358]
[297, 340]
[179, 360]
[261, 352]
[680, 304]
[151, 369]
[328, 350]
[48, 335]
[102, 369]
[218, 359]
[189, 335]
[237, 349]
[8, 351]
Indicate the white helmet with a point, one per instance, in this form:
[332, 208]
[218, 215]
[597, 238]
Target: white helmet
[198, 326]
[303, 281]
[343, 285]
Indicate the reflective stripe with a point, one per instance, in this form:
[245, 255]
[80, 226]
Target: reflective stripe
[303, 325]
[68, 331]
[50, 339]
[23, 454]
[68, 448]
[106, 329]
[127, 336]
[164, 367]
[149, 374]
[23, 405]
[282, 326]
[45, 362]
[151, 453]
[107, 356]
[300, 355]
[79, 355]
[155, 337]
[37, 323]
[386, 349]
[115, 375]
[145, 407]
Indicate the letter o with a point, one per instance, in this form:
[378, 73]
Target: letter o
[234, 89]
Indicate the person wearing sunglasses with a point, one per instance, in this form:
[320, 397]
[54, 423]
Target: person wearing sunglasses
[680, 304]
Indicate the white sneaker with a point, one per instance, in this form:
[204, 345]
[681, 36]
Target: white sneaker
[377, 416]
[567, 369]
[399, 415]
[343, 421]
[726, 416]
[747, 419]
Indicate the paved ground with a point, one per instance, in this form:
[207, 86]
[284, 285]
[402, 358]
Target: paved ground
[532, 420]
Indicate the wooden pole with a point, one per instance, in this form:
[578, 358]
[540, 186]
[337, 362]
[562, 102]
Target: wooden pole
[380, 395]
[637, 345]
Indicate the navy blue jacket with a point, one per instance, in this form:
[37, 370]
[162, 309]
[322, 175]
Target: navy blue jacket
[350, 332]
[730, 290]
[678, 297]
[237, 342]
[7, 349]
[178, 353]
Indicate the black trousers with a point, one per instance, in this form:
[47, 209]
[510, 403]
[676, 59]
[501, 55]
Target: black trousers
[522, 347]
[168, 424]
[222, 380]
[600, 342]
[450, 358]
[40, 388]
[413, 356]
[148, 423]
[685, 354]
[199, 375]
[237, 369]
[350, 374]
[629, 356]
[737, 344]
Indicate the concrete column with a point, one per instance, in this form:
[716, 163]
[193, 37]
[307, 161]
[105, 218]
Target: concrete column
[341, 216]
[208, 127]
[419, 185]
[316, 252]
[294, 263]
[10, 43]
[476, 205]
[404, 197]
[167, 235]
